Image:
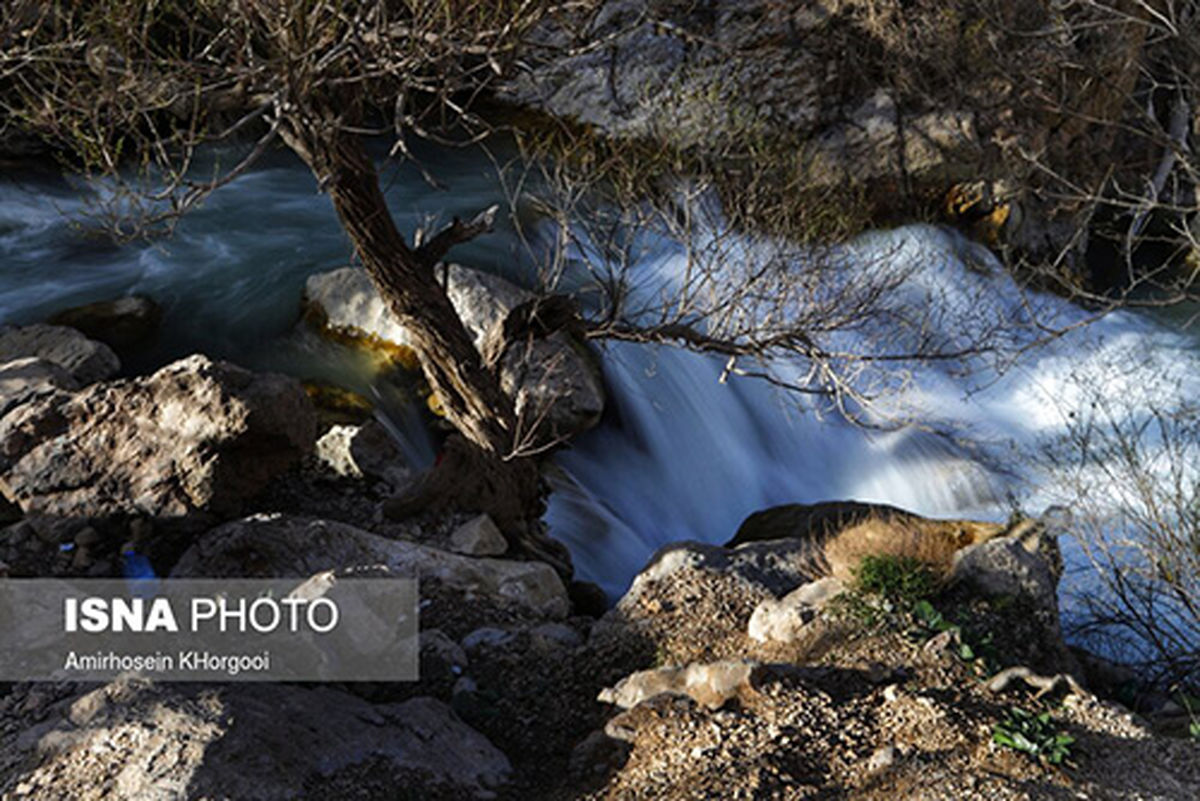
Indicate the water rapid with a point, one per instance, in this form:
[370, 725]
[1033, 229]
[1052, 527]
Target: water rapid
[679, 454]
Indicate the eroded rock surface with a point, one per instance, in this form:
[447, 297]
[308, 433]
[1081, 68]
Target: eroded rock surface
[196, 436]
[135, 740]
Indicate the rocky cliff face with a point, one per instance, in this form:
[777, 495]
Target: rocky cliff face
[880, 108]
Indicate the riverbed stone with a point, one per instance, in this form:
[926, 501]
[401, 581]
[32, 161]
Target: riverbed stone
[555, 387]
[85, 359]
[122, 323]
[263, 742]
[197, 436]
[279, 546]
[348, 301]
[1014, 567]
[553, 381]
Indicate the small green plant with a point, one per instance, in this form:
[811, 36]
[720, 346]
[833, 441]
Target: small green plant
[971, 647]
[885, 591]
[901, 580]
[1192, 705]
[1035, 734]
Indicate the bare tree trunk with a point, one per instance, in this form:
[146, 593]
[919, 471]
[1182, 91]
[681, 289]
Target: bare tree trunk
[479, 472]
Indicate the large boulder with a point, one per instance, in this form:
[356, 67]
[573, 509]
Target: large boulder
[552, 380]
[135, 740]
[86, 360]
[196, 436]
[347, 301]
[280, 546]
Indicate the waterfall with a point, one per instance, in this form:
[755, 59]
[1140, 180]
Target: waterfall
[679, 455]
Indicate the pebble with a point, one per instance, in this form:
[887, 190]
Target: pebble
[883, 759]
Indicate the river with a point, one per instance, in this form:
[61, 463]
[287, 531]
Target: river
[679, 455]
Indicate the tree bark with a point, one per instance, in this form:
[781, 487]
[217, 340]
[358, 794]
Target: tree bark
[482, 473]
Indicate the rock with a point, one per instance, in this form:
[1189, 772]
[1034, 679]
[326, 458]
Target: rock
[23, 380]
[346, 300]
[284, 546]
[332, 451]
[485, 638]
[133, 739]
[597, 754]
[1009, 566]
[196, 436]
[709, 685]
[86, 360]
[122, 324]
[694, 601]
[553, 386]
[788, 619]
[555, 635]
[777, 567]
[363, 451]
[588, 598]
[87, 537]
[552, 381]
[810, 521]
[478, 537]
[750, 75]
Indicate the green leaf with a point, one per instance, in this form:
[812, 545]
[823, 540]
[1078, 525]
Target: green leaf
[1023, 742]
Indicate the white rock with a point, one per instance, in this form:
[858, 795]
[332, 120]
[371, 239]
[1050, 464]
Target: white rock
[883, 759]
[786, 620]
[709, 685]
[350, 303]
[365, 451]
[553, 384]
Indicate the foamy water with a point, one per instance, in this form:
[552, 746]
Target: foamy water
[679, 455]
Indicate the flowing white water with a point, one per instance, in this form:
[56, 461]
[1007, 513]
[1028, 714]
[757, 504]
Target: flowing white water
[679, 455]
[687, 457]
